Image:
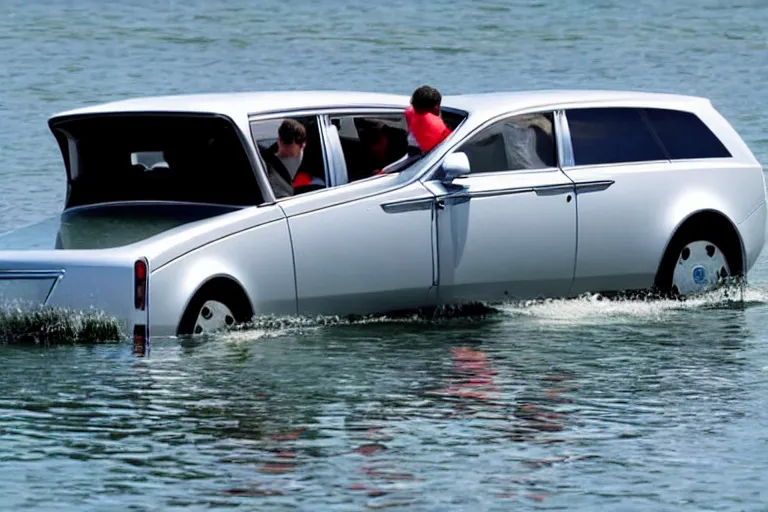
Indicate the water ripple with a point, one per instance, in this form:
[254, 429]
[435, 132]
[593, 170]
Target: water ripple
[346, 414]
[584, 404]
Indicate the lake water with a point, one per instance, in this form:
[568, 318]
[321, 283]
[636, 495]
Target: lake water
[579, 405]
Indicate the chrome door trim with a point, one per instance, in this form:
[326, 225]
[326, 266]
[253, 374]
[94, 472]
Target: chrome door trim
[498, 192]
[564, 143]
[464, 195]
[593, 186]
[408, 205]
[553, 190]
[329, 110]
[504, 173]
[435, 245]
[30, 274]
[322, 126]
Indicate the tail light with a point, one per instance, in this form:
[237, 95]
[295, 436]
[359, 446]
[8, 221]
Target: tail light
[140, 284]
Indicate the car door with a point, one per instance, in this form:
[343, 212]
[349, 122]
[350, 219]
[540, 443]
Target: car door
[633, 167]
[507, 229]
[364, 246]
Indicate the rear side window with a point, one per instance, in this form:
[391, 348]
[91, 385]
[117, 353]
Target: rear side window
[370, 143]
[684, 135]
[611, 135]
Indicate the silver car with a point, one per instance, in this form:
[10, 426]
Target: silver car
[170, 223]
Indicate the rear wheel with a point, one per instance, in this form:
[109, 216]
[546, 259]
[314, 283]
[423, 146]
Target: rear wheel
[696, 262]
[216, 307]
[213, 316]
[701, 265]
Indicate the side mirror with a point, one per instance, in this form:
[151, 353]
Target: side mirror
[455, 165]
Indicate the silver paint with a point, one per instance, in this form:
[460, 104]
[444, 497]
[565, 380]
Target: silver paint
[416, 239]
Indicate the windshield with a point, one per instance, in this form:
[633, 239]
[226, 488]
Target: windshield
[156, 157]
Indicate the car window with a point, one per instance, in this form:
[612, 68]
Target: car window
[289, 177]
[684, 135]
[612, 135]
[149, 159]
[516, 143]
[370, 142]
[156, 157]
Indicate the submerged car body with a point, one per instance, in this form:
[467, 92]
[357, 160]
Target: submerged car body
[170, 222]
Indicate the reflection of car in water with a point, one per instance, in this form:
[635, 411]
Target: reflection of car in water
[170, 223]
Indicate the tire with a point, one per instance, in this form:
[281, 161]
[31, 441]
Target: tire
[697, 260]
[214, 308]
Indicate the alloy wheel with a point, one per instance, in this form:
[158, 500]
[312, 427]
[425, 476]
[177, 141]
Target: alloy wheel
[700, 266]
[213, 316]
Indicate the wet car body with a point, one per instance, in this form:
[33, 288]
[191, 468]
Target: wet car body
[171, 225]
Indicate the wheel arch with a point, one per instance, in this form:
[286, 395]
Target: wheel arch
[211, 284]
[706, 217]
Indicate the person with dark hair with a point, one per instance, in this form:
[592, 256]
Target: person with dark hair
[291, 141]
[283, 161]
[423, 118]
[426, 99]
[426, 128]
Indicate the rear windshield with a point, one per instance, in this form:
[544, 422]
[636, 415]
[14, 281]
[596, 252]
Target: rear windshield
[160, 157]
[106, 226]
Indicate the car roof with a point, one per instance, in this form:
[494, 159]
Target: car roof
[248, 103]
[239, 104]
[510, 100]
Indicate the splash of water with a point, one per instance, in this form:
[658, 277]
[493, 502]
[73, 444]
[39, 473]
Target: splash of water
[589, 308]
[45, 325]
[271, 326]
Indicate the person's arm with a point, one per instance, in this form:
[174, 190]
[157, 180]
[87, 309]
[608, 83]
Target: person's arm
[401, 163]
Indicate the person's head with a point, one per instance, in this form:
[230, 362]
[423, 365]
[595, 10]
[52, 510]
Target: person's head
[426, 99]
[372, 136]
[291, 138]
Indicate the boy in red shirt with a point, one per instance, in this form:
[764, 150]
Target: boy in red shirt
[423, 118]
[426, 128]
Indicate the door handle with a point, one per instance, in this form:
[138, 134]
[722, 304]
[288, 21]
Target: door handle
[453, 199]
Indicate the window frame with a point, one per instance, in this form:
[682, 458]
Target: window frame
[323, 119]
[697, 117]
[569, 160]
[273, 116]
[553, 112]
[432, 170]
[644, 121]
[69, 142]
[425, 167]
[420, 170]
[326, 123]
